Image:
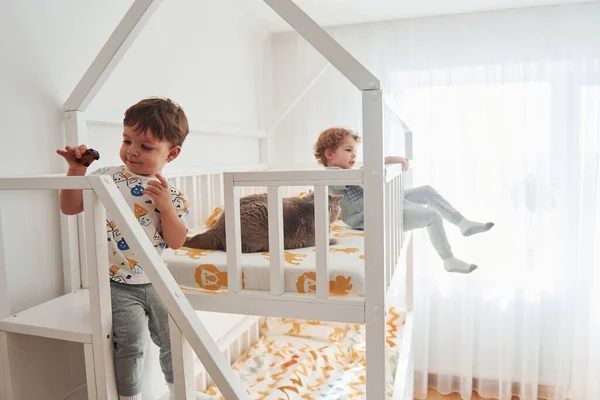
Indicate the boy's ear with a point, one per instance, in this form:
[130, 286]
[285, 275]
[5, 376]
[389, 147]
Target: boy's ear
[328, 154]
[173, 153]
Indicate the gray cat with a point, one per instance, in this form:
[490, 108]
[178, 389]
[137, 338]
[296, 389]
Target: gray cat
[298, 224]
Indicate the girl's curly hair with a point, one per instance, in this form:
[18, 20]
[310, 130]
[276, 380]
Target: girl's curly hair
[330, 139]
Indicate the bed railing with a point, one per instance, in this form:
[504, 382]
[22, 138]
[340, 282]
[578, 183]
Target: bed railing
[275, 181]
[101, 194]
[204, 189]
[394, 235]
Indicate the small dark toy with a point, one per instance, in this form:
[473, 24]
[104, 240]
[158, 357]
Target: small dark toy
[88, 157]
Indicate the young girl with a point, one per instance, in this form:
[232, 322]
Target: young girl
[423, 205]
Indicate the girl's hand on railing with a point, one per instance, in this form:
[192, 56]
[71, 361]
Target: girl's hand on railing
[397, 160]
[71, 155]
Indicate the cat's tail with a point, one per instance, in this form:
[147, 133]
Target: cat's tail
[208, 240]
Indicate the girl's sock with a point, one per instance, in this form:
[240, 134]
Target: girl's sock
[453, 264]
[469, 228]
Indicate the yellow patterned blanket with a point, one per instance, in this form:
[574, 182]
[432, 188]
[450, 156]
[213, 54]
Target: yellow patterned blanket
[207, 270]
[306, 360]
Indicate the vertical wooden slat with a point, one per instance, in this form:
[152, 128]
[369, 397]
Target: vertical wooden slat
[218, 190]
[388, 236]
[183, 363]
[72, 226]
[233, 234]
[4, 297]
[322, 240]
[410, 275]
[392, 217]
[246, 341]
[5, 375]
[399, 209]
[275, 211]
[206, 196]
[99, 291]
[6, 392]
[254, 333]
[395, 200]
[401, 217]
[227, 355]
[70, 251]
[195, 202]
[90, 376]
[83, 267]
[202, 381]
[236, 349]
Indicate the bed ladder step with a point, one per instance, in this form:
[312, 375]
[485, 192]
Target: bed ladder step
[64, 318]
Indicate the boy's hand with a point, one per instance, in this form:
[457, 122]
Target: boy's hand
[397, 160]
[160, 193]
[71, 154]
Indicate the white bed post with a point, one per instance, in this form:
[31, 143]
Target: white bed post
[72, 227]
[5, 379]
[375, 251]
[99, 291]
[183, 363]
[372, 99]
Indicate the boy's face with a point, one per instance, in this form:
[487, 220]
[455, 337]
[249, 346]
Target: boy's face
[344, 156]
[143, 154]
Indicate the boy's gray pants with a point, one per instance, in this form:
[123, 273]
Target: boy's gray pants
[430, 217]
[130, 306]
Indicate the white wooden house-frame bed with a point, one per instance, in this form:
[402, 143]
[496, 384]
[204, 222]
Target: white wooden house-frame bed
[83, 315]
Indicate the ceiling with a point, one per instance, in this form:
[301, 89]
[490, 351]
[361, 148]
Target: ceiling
[342, 12]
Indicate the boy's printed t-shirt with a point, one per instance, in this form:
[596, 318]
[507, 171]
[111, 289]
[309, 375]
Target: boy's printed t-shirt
[123, 265]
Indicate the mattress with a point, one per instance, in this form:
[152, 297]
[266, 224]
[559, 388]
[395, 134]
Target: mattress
[207, 270]
[296, 359]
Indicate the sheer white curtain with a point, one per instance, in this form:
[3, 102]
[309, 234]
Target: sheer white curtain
[505, 109]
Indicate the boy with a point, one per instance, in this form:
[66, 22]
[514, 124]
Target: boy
[336, 148]
[153, 132]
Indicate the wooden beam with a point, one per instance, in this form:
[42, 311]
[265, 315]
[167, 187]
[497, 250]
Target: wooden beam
[329, 48]
[111, 54]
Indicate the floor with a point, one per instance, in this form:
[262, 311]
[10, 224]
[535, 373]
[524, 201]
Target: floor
[433, 395]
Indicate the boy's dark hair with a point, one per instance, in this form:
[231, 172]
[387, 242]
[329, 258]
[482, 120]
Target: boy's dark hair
[163, 117]
[330, 139]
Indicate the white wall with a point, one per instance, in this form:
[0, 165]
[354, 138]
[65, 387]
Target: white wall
[209, 63]
[190, 51]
